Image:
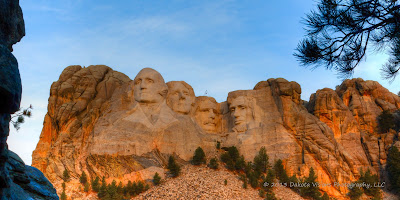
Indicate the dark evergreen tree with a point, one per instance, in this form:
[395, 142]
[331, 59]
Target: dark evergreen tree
[120, 188]
[393, 168]
[339, 32]
[386, 121]
[267, 182]
[261, 161]
[83, 178]
[66, 176]
[213, 163]
[355, 193]
[173, 167]
[140, 187]
[370, 179]
[230, 158]
[325, 196]
[134, 189]
[103, 188]
[219, 143]
[86, 187]
[280, 172]
[112, 190]
[240, 163]
[253, 179]
[156, 179]
[199, 157]
[96, 184]
[311, 191]
[270, 196]
[63, 196]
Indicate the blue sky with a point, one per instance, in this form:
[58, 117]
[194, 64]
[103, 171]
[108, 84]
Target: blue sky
[218, 46]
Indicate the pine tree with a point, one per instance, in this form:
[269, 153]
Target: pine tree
[103, 188]
[267, 185]
[355, 193]
[156, 179]
[231, 157]
[120, 188]
[96, 184]
[261, 161]
[63, 196]
[83, 178]
[87, 187]
[270, 196]
[140, 187]
[280, 172]
[253, 179]
[173, 167]
[386, 121]
[66, 176]
[393, 168]
[112, 190]
[199, 157]
[213, 163]
[325, 196]
[312, 190]
[340, 31]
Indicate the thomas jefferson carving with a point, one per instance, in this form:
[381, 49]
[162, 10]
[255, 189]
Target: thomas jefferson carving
[180, 97]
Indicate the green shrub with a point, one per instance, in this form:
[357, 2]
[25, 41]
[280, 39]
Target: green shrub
[66, 176]
[213, 163]
[173, 167]
[96, 184]
[63, 196]
[386, 121]
[87, 187]
[83, 178]
[261, 161]
[199, 157]
[280, 172]
[156, 179]
[231, 157]
[393, 168]
[313, 190]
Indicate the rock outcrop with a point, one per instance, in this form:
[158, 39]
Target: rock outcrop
[17, 181]
[104, 124]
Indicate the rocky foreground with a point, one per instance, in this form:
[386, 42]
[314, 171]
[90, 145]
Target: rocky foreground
[204, 183]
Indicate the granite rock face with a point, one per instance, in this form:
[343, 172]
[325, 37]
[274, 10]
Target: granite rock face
[27, 182]
[17, 181]
[101, 122]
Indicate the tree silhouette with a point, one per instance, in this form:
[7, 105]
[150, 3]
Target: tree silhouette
[340, 31]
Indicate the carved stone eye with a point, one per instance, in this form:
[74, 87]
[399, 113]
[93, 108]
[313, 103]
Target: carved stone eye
[138, 81]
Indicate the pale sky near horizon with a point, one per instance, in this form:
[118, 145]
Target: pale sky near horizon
[218, 46]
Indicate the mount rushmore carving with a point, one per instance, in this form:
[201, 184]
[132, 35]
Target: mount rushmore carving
[101, 122]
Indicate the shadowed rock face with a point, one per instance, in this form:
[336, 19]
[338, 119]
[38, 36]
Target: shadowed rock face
[17, 181]
[99, 119]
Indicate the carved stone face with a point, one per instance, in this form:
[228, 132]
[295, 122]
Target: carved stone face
[241, 113]
[180, 97]
[206, 114]
[149, 86]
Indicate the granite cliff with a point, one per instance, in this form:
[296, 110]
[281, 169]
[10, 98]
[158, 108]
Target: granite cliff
[17, 180]
[104, 124]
